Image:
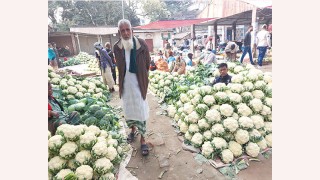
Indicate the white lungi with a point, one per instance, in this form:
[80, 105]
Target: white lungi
[134, 107]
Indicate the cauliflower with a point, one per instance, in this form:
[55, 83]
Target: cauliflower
[71, 164]
[213, 116]
[265, 110]
[197, 140]
[219, 87]
[72, 90]
[217, 130]
[252, 76]
[252, 149]
[207, 135]
[184, 98]
[104, 133]
[193, 117]
[183, 127]
[235, 148]
[108, 176]
[188, 135]
[49, 134]
[171, 111]
[230, 124]
[216, 107]
[221, 97]
[188, 108]
[255, 136]
[56, 164]
[268, 127]
[72, 133]
[216, 73]
[247, 97]
[257, 121]
[268, 138]
[102, 166]
[55, 143]
[94, 129]
[193, 128]
[205, 90]
[84, 172]
[248, 86]
[238, 69]
[237, 79]
[244, 110]
[234, 98]
[242, 136]
[260, 85]
[83, 158]
[228, 136]
[256, 105]
[267, 78]
[179, 104]
[235, 116]
[112, 153]
[99, 150]
[235, 87]
[219, 143]
[209, 100]
[245, 122]
[55, 81]
[258, 94]
[203, 124]
[262, 144]
[269, 117]
[68, 150]
[62, 129]
[207, 149]
[87, 140]
[201, 109]
[196, 99]
[62, 173]
[268, 101]
[112, 142]
[227, 156]
[226, 110]
[176, 117]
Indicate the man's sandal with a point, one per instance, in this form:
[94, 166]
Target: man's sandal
[144, 149]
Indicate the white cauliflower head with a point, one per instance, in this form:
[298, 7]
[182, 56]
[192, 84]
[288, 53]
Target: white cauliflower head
[236, 88]
[62, 173]
[207, 135]
[252, 149]
[256, 105]
[221, 97]
[217, 130]
[87, 140]
[219, 87]
[244, 110]
[193, 117]
[203, 124]
[171, 111]
[56, 164]
[209, 100]
[268, 138]
[102, 166]
[262, 144]
[242, 136]
[258, 94]
[265, 110]
[235, 98]
[69, 150]
[245, 122]
[227, 156]
[259, 85]
[197, 139]
[219, 143]
[230, 124]
[268, 127]
[111, 153]
[235, 148]
[226, 110]
[83, 158]
[188, 108]
[184, 98]
[248, 86]
[268, 101]
[193, 128]
[213, 116]
[183, 127]
[237, 78]
[99, 150]
[84, 172]
[257, 121]
[207, 149]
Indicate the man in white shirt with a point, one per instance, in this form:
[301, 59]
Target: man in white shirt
[210, 44]
[263, 43]
[231, 50]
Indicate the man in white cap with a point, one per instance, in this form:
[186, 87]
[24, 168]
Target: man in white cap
[133, 62]
[263, 43]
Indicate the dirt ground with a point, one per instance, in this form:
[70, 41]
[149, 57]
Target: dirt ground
[167, 151]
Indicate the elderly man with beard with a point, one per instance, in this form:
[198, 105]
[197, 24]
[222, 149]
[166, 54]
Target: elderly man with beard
[133, 61]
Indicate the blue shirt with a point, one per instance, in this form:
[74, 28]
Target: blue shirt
[188, 62]
[51, 54]
[171, 59]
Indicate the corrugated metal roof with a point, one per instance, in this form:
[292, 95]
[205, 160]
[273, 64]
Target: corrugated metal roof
[169, 24]
[181, 35]
[95, 30]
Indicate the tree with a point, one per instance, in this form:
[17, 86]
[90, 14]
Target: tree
[155, 9]
[90, 13]
[178, 9]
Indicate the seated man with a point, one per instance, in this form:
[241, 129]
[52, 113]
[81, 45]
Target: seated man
[56, 114]
[224, 76]
[210, 57]
[231, 50]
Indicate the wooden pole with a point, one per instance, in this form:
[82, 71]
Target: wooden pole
[254, 32]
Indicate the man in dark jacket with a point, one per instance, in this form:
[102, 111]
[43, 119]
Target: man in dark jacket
[133, 62]
[224, 76]
[113, 68]
[247, 45]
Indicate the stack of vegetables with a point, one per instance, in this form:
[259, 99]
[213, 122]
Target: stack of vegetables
[226, 121]
[81, 58]
[88, 97]
[84, 152]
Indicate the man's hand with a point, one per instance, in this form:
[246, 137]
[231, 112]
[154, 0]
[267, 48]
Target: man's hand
[54, 114]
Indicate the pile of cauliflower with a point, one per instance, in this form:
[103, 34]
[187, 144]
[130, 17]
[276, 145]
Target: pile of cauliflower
[228, 120]
[86, 152]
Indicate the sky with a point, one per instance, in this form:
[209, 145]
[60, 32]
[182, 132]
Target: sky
[259, 3]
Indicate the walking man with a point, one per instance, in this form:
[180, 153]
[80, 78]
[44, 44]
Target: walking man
[133, 62]
[105, 65]
[263, 42]
[113, 68]
[247, 45]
